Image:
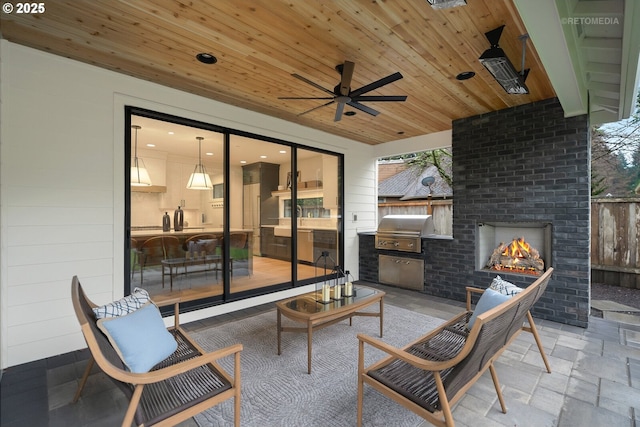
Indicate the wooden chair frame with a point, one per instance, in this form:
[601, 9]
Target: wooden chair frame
[531, 327]
[143, 387]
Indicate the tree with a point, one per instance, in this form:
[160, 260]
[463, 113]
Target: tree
[440, 158]
[615, 157]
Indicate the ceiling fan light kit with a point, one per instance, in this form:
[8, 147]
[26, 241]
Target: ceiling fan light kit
[496, 62]
[343, 95]
[446, 4]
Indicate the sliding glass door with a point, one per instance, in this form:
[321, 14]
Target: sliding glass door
[265, 217]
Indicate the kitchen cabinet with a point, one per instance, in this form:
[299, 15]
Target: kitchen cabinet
[305, 246]
[326, 241]
[330, 181]
[177, 192]
[273, 246]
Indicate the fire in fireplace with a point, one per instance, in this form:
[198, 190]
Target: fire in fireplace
[498, 249]
[517, 256]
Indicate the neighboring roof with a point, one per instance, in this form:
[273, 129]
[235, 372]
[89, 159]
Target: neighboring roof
[407, 185]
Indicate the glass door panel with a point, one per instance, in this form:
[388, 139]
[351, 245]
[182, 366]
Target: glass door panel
[316, 214]
[175, 230]
[260, 243]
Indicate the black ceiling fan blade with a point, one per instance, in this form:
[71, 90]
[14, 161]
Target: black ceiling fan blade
[364, 108]
[380, 98]
[339, 111]
[347, 75]
[315, 108]
[375, 85]
[317, 86]
[298, 97]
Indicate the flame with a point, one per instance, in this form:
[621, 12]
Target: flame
[518, 256]
[516, 248]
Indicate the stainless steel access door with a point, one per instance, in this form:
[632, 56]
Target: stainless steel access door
[401, 271]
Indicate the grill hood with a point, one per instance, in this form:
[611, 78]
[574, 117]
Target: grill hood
[406, 225]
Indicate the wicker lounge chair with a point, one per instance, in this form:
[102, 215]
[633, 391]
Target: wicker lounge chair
[431, 374]
[186, 383]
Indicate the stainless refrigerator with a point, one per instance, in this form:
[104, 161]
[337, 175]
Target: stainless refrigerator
[251, 214]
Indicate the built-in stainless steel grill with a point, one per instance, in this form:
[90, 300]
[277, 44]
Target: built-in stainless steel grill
[403, 232]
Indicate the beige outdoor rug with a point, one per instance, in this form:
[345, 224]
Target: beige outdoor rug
[278, 391]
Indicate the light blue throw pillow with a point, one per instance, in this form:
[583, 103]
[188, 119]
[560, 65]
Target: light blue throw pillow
[488, 300]
[140, 338]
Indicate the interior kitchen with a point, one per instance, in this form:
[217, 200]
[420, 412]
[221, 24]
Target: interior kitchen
[178, 221]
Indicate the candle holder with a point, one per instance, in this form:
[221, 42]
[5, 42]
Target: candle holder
[348, 284]
[323, 289]
[337, 291]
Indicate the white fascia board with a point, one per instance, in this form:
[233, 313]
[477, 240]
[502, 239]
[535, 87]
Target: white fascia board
[630, 58]
[559, 57]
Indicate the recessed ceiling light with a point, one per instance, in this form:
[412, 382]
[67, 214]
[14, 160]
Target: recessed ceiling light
[209, 154]
[283, 151]
[465, 75]
[206, 58]
[350, 113]
[151, 145]
[263, 157]
[243, 161]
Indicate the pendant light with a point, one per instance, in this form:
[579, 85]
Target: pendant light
[199, 179]
[139, 174]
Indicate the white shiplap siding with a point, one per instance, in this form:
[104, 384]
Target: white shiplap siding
[62, 195]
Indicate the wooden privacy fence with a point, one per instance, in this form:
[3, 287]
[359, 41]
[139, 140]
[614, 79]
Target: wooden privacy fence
[615, 242]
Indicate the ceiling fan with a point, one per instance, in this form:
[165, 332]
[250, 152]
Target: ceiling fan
[343, 95]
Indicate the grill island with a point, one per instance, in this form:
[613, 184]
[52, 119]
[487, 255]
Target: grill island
[402, 234]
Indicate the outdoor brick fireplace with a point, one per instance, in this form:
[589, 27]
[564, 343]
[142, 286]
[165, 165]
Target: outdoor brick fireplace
[514, 247]
[526, 166]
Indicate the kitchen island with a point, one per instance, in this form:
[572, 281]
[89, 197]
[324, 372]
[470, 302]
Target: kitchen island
[147, 232]
[313, 241]
[241, 240]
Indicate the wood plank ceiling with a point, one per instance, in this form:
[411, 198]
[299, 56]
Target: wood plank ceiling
[259, 44]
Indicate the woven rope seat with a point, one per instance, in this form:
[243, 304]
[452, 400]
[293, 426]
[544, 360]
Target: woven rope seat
[179, 392]
[432, 373]
[415, 383]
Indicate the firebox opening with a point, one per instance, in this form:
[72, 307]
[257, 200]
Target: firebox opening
[513, 247]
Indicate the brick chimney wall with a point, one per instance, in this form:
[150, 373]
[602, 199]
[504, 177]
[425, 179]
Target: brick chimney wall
[527, 163]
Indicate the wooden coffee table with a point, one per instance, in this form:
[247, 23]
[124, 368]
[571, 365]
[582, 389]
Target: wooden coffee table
[305, 308]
